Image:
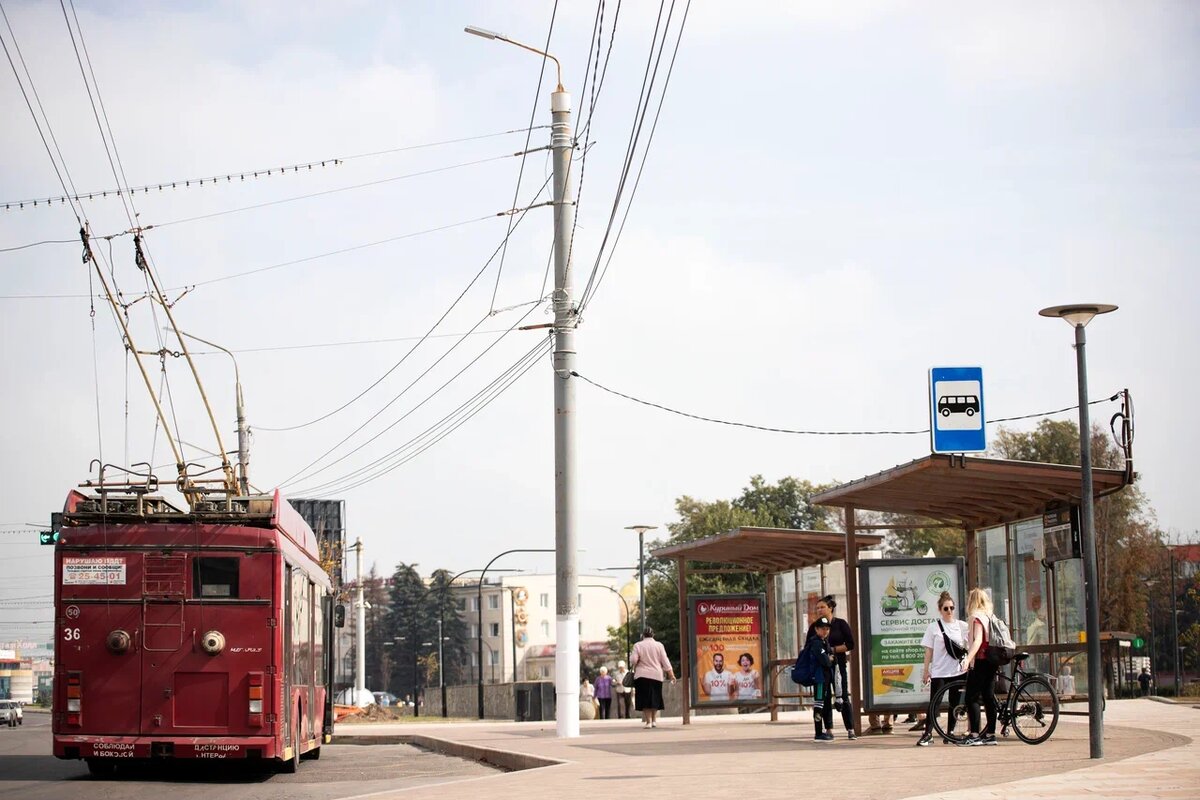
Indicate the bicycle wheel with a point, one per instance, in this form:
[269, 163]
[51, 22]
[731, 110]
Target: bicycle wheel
[1034, 710]
[941, 704]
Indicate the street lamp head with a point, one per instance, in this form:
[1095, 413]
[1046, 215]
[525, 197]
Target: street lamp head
[641, 528]
[483, 33]
[1077, 315]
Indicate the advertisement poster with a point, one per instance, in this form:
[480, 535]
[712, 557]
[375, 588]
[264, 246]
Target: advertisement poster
[728, 650]
[899, 602]
[98, 571]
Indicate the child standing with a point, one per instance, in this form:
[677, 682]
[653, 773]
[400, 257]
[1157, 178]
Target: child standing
[824, 690]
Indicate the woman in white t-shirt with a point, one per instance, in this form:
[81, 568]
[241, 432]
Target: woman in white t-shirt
[942, 666]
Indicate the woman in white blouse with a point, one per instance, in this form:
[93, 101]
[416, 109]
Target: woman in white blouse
[942, 665]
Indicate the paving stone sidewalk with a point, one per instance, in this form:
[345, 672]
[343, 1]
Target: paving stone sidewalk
[1149, 753]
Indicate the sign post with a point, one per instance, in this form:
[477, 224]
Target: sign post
[956, 410]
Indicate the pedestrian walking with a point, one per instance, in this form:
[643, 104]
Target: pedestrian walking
[981, 673]
[650, 668]
[1144, 681]
[825, 689]
[945, 644]
[623, 695]
[604, 693]
[841, 642]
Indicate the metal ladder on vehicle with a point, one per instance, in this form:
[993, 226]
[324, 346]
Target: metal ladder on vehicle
[164, 582]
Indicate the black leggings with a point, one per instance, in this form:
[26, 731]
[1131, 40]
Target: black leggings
[935, 685]
[847, 706]
[981, 684]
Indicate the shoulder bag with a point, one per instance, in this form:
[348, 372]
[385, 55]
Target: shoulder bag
[627, 681]
[956, 650]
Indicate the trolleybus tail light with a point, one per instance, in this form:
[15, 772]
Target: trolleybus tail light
[74, 697]
[255, 697]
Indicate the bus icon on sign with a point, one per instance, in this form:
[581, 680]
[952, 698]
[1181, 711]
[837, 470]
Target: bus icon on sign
[958, 404]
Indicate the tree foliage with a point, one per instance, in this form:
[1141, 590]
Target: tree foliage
[1129, 545]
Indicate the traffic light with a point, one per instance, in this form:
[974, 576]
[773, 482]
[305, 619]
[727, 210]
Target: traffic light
[51, 536]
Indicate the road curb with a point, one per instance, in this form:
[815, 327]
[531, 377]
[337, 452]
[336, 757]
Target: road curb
[503, 759]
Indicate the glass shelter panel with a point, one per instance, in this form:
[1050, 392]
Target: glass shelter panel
[992, 557]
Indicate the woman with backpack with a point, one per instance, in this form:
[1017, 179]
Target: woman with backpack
[945, 643]
[981, 672]
[841, 642]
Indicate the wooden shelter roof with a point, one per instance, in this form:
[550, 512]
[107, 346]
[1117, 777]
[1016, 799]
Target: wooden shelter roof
[768, 549]
[969, 492]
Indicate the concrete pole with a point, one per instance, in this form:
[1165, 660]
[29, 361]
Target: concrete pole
[642, 579]
[360, 627]
[1090, 573]
[243, 442]
[1175, 652]
[566, 589]
[441, 668]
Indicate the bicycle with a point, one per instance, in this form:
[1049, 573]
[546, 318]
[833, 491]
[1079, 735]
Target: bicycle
[1029, 705]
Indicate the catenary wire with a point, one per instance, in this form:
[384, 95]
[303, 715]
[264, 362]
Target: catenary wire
[453, 305]
[795, 432]
[645, 152]
[443, 427]
[428, 397]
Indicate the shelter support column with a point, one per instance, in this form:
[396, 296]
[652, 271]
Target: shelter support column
[972, 566]
[765, 670]
[853, 659]
[685, 678]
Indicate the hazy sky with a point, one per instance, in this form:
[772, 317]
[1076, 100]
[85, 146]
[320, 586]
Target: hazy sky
[838, 197]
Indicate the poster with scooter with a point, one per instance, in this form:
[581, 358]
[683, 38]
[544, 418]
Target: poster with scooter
[898, 601]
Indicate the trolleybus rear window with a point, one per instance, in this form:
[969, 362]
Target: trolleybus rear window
[215, 577]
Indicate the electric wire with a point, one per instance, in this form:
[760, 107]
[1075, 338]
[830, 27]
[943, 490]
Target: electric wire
[591, 289]
[440, 429]
[337, 190]
[521, 170]
[404, 416]
[240, 175]
[37, 244]
[795, 432]
[453, 305]
[654, 126]
[36, 122]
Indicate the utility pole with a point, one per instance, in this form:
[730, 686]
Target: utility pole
[1174, 623]
[566, 589]
[360, 625]
[441, 668]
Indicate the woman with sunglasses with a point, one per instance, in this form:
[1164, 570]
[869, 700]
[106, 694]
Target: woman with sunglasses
[945, 644]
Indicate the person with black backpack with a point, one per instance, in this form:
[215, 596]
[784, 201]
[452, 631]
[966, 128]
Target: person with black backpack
[945, 643]
[820, 660]
[981, 668]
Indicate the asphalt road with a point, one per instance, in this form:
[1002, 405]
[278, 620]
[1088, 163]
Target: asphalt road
[27, 772]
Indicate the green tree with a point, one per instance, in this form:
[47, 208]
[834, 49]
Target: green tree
[1129, 545]
[455, 644]
[412, 622]
[378, 630]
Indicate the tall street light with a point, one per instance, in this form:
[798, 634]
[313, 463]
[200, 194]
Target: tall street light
[566, 590]
[641, 532]
[624, 602]
[1078, 316]
[557, 655]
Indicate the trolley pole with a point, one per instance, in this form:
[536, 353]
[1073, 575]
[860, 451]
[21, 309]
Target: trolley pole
[360, 626]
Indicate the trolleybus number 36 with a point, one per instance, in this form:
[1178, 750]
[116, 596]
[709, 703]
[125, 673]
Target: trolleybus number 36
[71, 634]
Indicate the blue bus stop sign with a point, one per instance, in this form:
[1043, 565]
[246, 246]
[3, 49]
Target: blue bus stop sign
[956, 410]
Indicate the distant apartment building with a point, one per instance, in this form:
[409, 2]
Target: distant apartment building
[518, 624]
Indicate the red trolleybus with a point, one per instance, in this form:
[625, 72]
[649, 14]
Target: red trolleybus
[201, 634]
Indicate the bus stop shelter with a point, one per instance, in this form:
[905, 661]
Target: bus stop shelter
[768, 551]
[997, 503]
